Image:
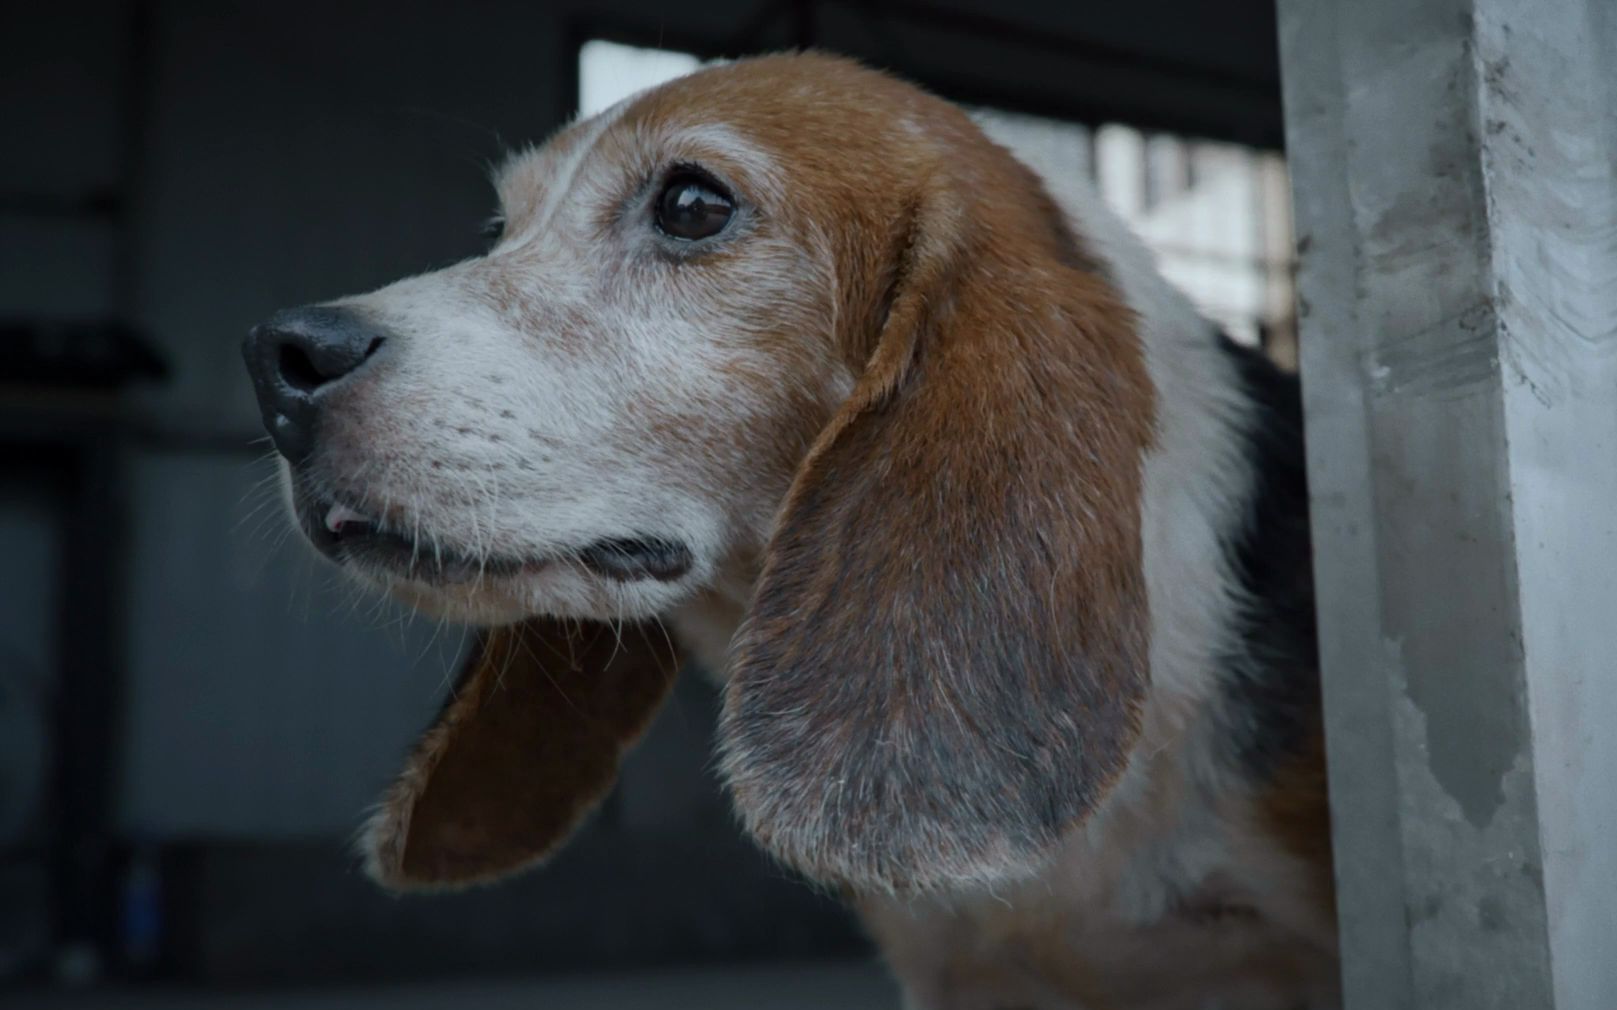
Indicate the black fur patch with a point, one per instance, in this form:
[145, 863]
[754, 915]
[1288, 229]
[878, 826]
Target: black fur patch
[1271, 691]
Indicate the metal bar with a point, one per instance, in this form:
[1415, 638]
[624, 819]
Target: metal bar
[1456, 202]
[85, 711]
[96, 207]
[1089, 52]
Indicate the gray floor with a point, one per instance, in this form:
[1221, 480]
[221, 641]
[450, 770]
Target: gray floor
[798, 987]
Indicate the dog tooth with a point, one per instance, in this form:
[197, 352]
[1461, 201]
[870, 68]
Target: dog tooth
[340, 514]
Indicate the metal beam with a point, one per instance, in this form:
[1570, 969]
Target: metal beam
[1455, 176]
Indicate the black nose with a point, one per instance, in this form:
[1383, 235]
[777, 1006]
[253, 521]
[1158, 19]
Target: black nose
[296, 358]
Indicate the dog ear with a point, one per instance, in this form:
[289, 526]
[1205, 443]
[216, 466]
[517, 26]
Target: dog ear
[528, 743]
[944, 663]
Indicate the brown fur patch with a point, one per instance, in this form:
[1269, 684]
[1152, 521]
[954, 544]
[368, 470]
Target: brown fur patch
[945, 659]
[527, 745]
[1295, 809]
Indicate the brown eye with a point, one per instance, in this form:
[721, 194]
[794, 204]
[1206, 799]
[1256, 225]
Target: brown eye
[691, 207]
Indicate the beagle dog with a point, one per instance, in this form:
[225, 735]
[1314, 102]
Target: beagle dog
[999, 548]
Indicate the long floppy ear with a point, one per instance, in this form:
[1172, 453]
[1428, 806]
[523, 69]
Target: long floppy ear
[945, 659]
[525, 748]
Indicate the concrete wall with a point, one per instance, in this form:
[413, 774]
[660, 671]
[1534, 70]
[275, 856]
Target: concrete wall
[1457, 212]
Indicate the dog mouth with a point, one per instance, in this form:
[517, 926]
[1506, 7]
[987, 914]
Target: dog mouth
[352, 537]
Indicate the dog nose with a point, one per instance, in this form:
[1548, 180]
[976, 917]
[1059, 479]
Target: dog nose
[298, 356]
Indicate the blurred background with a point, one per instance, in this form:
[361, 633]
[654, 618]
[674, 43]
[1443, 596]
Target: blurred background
[194, 711]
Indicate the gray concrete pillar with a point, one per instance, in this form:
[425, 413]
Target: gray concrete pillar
[1454, 165]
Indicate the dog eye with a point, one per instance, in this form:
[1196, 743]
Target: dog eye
[494, 229]
[691, 207]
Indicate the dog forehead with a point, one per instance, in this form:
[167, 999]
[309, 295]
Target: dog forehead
[810, 111]
[764, 116]
[781, 94]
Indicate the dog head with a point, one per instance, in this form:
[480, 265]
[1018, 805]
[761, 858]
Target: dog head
[789, 325]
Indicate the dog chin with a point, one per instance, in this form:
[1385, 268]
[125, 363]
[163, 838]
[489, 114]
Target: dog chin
[512, 598]
[482, 607]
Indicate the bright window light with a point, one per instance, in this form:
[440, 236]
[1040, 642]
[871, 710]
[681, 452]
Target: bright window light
[1217, 216]
[608, 72]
